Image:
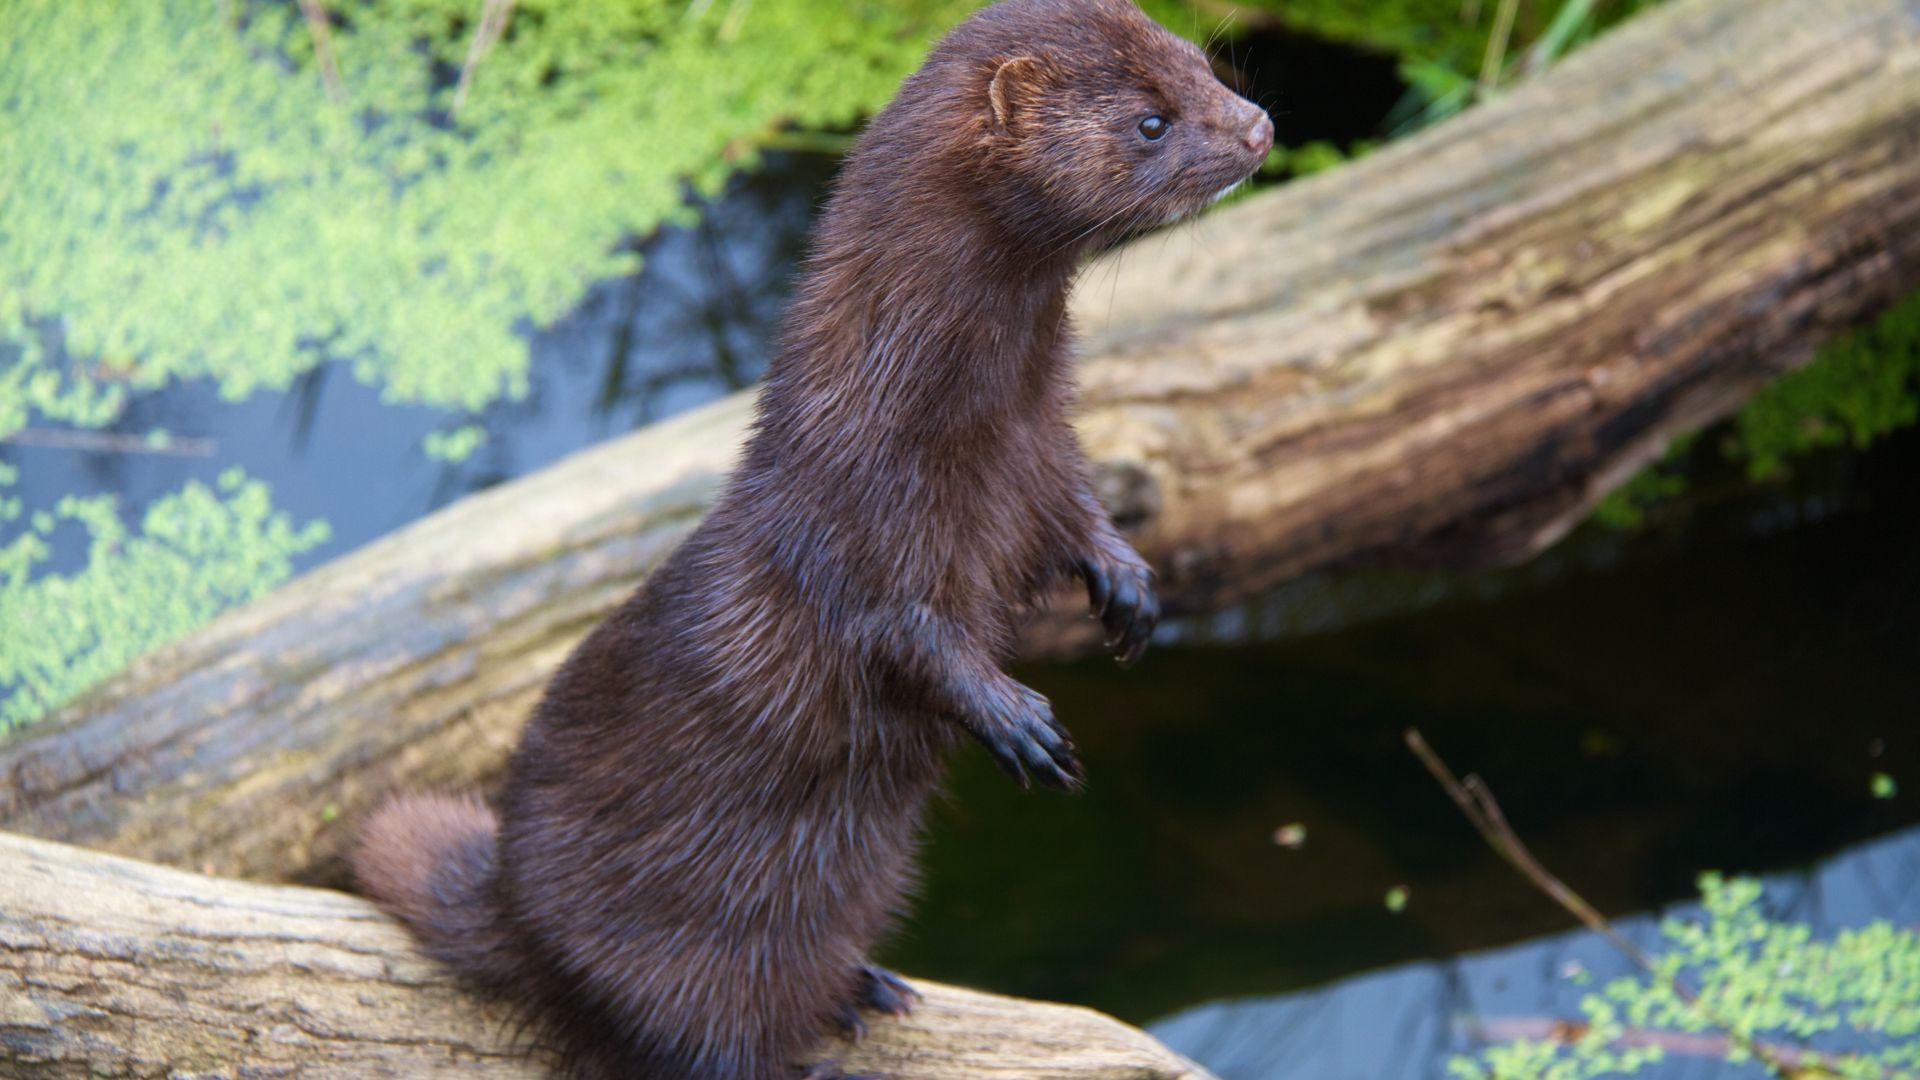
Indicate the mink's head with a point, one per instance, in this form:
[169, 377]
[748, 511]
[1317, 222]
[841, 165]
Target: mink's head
[1092, 122]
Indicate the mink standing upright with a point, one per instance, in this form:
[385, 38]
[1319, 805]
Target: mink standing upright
[714, 811]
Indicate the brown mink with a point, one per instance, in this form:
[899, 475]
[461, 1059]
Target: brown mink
[713, 815]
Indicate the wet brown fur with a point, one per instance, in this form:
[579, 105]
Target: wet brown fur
[713, 815]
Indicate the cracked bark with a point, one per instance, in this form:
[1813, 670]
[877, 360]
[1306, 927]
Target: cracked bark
[110, 967]
[1444, 352]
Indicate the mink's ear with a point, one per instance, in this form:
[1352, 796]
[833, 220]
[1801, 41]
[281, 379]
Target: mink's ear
[1015, 89]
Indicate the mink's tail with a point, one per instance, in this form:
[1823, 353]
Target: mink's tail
[430, 861]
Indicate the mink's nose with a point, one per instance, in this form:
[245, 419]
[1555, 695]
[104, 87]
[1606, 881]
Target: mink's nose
[1259, 137]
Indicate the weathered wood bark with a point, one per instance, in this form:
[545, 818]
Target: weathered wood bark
[110, 967]
[1446, 350]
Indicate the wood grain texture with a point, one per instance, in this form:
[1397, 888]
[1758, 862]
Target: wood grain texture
[112, 967]
[1444, 352]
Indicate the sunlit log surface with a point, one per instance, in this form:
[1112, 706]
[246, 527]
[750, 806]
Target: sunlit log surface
[119, 968]
[1446, 351]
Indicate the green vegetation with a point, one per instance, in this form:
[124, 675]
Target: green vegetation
[1768, 985]
[216, 215]
[1860, 387]
[456, 445]
[1625, 507]
[197, 553]
[186, 200]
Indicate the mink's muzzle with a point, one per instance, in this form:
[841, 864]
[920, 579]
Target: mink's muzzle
[1258, 137]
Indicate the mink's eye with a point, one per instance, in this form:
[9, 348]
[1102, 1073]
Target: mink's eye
[1154, 128]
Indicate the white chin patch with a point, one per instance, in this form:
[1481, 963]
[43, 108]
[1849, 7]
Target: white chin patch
[1178, 215]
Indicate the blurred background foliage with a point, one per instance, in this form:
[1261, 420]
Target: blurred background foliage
[235, 192]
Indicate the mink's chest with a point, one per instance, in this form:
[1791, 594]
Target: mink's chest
[994, 511]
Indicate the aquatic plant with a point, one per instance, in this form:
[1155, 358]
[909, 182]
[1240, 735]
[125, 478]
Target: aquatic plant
[196, 553]
[185, 200]
[1860, 387]
[1626, 506]
[193, 194]
[1767, 986]
[1758, 989]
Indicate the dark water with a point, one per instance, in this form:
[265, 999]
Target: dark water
[1721, 699]
[1715, 693]
[1404, 1023]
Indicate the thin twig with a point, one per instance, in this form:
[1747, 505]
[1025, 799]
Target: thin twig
[1496, 56]
[1476, 801]
[100, 442]
[322, 30]
[494, 15]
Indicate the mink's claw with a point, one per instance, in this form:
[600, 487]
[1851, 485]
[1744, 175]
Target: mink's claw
[1124, 601]
[878, 989]
[1099, 586]
[1130, 643]
[1026, 741]
[847, 1019]
[886, 992]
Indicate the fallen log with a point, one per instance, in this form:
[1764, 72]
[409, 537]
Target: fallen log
[1448, 350]
[112, 967]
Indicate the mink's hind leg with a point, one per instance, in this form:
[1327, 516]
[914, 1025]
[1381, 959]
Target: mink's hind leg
[878, 989]
[883, 990]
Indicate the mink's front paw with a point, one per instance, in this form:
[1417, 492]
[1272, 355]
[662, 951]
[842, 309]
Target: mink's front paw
[1120, 592]
[1017, 727]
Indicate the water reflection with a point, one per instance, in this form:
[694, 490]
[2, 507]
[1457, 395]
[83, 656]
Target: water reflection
[1405, 1023]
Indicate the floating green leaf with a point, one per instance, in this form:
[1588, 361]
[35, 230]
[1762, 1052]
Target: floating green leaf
[196, 553]
[1766, 984]
[183, 200]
